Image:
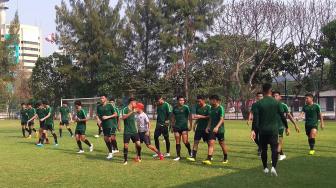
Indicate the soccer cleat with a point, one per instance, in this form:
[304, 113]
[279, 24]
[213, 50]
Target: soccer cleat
[96, 136]
[225, 162]
[167, 155]
[39, 145]
[273, 172]
[161, 157]
[56, 145]
[177, 158]
[125, 163]
[266, 171]
[192, 159]
[91, 148]
[110, 156]
[311, 152]
[282, 157]
[137, 159]
[115, 151]
[29, 137]
[80, 151]
[155, 155]
[207, 162]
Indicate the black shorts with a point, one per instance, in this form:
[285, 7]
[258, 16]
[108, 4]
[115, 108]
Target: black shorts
[201, 134]
[179, 130]
[42, 124]
[31, 124]
[23, 123]
[216, 136]
[144, 138]
[109, 131]
[64, 122]
[49, 127]
[161, 130]
[80, 132]
[134, 137]
[309, 129]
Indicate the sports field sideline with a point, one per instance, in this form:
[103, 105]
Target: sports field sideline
[25, 165]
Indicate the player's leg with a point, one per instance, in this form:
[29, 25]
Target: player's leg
[86, 141]
[165, 133]
[67, 125]
[281, 154]
[157, 134]
[256, 140]
[211, 144]
[107, 138]
[126, 142]
[263, 140]
[51, 129]
[79, 143]
[136, 140]
[311, 140]
[23, 130]
[185, 140]
[273, 141]
[60, 128]
[177, 136]
[220, 137]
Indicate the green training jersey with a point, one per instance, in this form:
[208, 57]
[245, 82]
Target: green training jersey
[204, 111]
[181, 114]
[216, 114]
[31, 112]
[107, 110]
[81, 114]
[129, 123]
[312, 114]
[285, 109]
[163, 113]
[267, 115]
[24, 115]
[50, 119]
[115, 120]
[64, 111]
[40, 113]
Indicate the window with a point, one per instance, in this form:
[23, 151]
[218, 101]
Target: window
[29, 42]
[29, 55]
[330, 104]
[31, 49]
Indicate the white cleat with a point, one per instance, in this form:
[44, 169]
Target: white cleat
[115, 151]
[274, 172]
[91, 148]
[96, 136]
[80, 151]
[155, 155]
[266, 171]
[177, 158]
[110, 156]
[167, 155]
[282, 157]
[125, 163]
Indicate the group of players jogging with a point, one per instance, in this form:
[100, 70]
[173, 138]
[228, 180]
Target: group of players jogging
[268, 117]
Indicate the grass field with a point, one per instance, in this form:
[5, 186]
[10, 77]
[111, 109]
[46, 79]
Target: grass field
[22, 164]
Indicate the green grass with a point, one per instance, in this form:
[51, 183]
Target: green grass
[24, 165]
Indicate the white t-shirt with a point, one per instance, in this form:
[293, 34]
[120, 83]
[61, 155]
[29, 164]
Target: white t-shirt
[142, 122]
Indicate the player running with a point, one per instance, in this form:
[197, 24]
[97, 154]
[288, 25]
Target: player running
[81, 120]
[180, 117]
[48, 120]
[312, 112]
[216, 130]
[201, 123]
[130, 130]
[31, 112]
[259, 96]
[99, 121]
[163, 111]
[24, 119]
[266, 117]
[116, 124]
[65, 118]
[277, 96]
[143, 125]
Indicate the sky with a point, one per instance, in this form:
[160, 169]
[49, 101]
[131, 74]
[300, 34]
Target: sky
[40, 13]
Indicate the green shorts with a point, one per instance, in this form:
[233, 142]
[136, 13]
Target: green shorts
[80, 131]
[309, 128]
[64, 122]
[281, 132]
[109, 131]
[216, 136]
[49, 127]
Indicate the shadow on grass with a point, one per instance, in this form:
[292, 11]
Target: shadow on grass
[305, 171]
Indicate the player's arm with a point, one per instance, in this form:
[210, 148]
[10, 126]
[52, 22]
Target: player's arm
[250, 118]
[220, 123]
[60, 116]
[47, 116]
[320, 115]
[125, 116]
[255, 123]
[85, 119]
[293, 121]
[115, 114]
[283, 118]
[33, 118]
[70, 116]
[300, 117]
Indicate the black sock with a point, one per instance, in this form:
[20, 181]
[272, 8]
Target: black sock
[70, 131]
[30, 131]
[225, 156]
[23, 132]
[178, 150]
[157, 143]
[125, 154]
[188, 147]
[194, 153]
[311, 142]
[209, 157]
[86, 141]
[108, 144]
[34, 130]
[114, 144]
[281, 152]
[27, 130]
[100, 130]
[55, 137]
[79, 143]
[167, 144]
[138, 150]
[60, 132]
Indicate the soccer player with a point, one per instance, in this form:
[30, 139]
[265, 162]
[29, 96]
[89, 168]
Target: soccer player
[259, 96]
[99, 121]
[180, 117]
[40, 113]
[130, 130]
[312, 112]
[65, 118]
[48, 120]
[116, 124]
[143, 124]
[81, 120]
[266, 117]
[31, 112]
[277, 96]
[162, 124]
[201, 123]
[216, 129]
[24, 119]
[106, 114]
